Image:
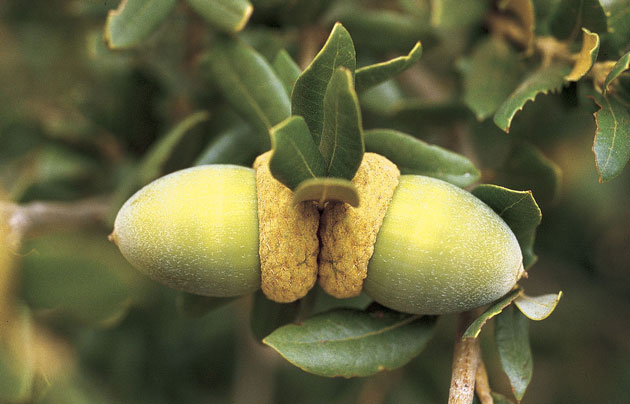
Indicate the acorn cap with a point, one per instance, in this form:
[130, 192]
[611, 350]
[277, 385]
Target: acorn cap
[288, 238]
[348, 234]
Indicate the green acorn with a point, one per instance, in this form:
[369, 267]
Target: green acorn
[415, 244]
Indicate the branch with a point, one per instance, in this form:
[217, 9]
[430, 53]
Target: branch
[465, 360]
[40, 217]
[482, 386]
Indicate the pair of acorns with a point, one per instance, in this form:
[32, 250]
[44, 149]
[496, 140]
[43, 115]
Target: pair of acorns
[415, 244]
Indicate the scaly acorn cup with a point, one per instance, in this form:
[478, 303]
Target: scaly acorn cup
[212, 230]
[416, 244]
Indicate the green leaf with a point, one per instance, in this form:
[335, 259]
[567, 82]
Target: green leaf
[497, 307]
[80, 276]
[618, 37]
[413, 156]
[414, 113]
[519, 210]
[380, 29]
[225, 15]
[353, 343]
[295, 156]
[327, 189]
[152, 165]
[489, 76]
[381, 99]
[500, 398]
[196, 306]
[526, 168]
[544, 80]
[342, 143]
[307, 99]
[572, 15]
[287, 70]
[248, 82]
[134, 20]
[370, 76]
[622, 65]
[235, 145]
[539, 307]
[266, 315]
[17, 358]
[612, 138]
[587, 56]
[511, 333]
[455, 14]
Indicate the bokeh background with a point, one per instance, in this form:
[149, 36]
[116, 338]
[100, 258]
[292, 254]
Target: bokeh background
[77, 122]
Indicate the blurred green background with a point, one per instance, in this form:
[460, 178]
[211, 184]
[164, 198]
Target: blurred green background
[77, 120]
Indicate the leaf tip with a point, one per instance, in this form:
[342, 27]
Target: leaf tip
[245, 19]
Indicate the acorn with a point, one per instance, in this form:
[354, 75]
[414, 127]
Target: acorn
[415, 244]
[221, 230]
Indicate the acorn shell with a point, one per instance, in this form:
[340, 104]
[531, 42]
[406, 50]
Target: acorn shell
[195, 230]
[441, 250]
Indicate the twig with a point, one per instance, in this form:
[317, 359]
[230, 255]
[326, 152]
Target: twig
[465, 360]
[482, 386]
[39, 217]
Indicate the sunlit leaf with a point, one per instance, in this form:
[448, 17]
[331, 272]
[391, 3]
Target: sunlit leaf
[134, 20]
[307, 99]
[287, 70]
[538, 307]
[621, 66]
[545, 80]
[612, 138]
[587, 56]
[342, 143]
[573, 15]
[266, 315]
[524, 11]
[413, 156]
[512, 336]
[353, 343]
[248, 82]
[519, 210]
[489, 76]
[225, 15]
[369, 76]
[327, 189]
[495, 309]
[295, 156]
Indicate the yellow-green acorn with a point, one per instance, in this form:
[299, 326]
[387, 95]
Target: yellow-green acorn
[195, 230]
[222, 230]
[441, 250]
[416, 244]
